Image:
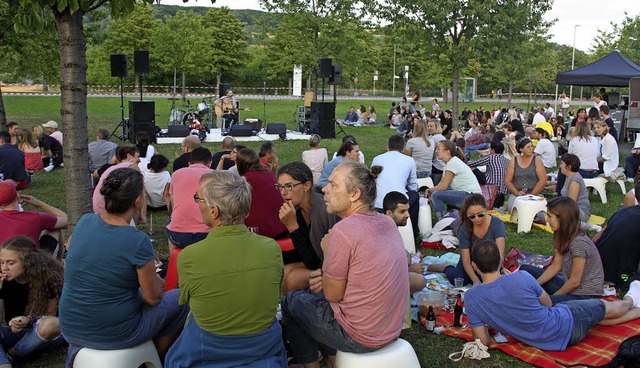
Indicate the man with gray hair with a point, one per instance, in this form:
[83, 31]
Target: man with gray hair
[101, 151]
[231, 282]
[363, 249]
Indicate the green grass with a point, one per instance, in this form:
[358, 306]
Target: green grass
[432, 349]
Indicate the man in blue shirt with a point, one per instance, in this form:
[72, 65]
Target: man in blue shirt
[12, 161]
[352, 116]
[517, 306]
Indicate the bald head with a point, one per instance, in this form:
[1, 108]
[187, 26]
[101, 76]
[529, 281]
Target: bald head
[191, 142]
[228, 143]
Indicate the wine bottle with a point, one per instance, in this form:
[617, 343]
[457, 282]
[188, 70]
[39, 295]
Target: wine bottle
[457, 312]
[431, 319]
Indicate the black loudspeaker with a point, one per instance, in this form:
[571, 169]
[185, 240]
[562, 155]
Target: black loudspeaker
[336, 76]
[141, 61]
[240, 131]
[324, 68]
[222, 89]
[256, 124]
[119, 66]
[142, 117]
[323, 119]
[276, 128]
[177, 131]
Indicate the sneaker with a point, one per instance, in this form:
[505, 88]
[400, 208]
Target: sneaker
[62, 164]
[48, 168]
[634, 293]
[630, 180]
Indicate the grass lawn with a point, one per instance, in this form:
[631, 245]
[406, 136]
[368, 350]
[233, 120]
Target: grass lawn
[432, 349]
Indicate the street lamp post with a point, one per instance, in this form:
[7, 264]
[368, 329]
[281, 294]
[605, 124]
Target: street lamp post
[375, 78]
[573, 57]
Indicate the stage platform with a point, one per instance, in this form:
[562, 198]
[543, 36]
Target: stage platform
[216, 136]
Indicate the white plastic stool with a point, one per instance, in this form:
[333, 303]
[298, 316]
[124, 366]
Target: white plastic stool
[407, 236]
[598, 184]
[424, 217]
[134, 357]
[622, 186]
[398, 354]
[425, 182]
[525, 210]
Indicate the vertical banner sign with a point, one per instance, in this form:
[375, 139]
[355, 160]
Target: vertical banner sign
[297, 80]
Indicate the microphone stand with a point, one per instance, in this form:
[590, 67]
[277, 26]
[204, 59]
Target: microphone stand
[264, 102]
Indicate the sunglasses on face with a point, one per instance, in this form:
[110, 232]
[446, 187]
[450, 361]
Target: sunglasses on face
[480, 215]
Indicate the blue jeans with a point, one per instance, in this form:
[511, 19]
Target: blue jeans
[586, 314]
[24, 342]
[423, 174]
[449, 197]
[458, 271]
[181, 240]
[554, 285]
[309, 322]
[631, 166]
[470, 149]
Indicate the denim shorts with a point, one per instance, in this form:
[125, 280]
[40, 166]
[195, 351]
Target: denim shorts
[586, 314]
[24, 342]
[181, 240]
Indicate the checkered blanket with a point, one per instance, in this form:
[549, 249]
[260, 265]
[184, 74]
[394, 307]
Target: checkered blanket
[598, 348]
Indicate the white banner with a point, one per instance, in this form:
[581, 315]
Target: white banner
[297, 80]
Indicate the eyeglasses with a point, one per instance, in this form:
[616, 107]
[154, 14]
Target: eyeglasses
[288, 187]
[198, 199]
[480, 215]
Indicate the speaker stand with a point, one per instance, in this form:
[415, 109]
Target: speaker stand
[122, 122]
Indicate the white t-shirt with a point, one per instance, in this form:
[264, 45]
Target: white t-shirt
[142, 165]
[463, 178]
[547, 152]
[154, 184]
[551, 111]
[598, 104]
[565, 102]
[587, 151]
[609, 152]
[538, 118]
[57, 135]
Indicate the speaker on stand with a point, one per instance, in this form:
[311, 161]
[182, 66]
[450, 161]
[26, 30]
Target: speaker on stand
[141, 65]
[323, 116]
[120, 69]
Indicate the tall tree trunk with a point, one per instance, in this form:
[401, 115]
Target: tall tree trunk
[455, 86]
[184, 86]
[73, 107]
[510, 92]
[218, 79]
[3, 114]
[290, 86]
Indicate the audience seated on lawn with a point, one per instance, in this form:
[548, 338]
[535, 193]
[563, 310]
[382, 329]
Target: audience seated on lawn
[348, 150]
[435, 132]
[575, 256]
[517, 306]
[266, 200]
[101, 151]
[525, 174]
[609, 156]
[146, 150]
[42, 227]
[617, 244]
[363, 249]
[112, 297]
[475, 224]
[157, 183]
[587, 148]
[496, 164]
[188, 144]
[127, 157]
[315, 157]
[458, 180]
[231, 282]
[574, 186]
[545, 149]
[186, 226]
[305, 216]
[422, 149]
[396, 206]
[31, 285]
[12, 162]
[32, 154]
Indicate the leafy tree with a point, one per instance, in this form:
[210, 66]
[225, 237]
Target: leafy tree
[457, 29]
[225, 50]
[179, 44]
[68, 18]
[622, 37]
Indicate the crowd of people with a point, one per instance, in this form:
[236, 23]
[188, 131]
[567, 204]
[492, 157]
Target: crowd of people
[242, 296]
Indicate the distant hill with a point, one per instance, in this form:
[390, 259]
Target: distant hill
[248, 16]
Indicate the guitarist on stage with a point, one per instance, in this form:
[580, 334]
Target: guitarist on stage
[226, 108]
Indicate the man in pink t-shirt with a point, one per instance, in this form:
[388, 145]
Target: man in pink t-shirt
[364, 276]
[32, 224]
[186, 226]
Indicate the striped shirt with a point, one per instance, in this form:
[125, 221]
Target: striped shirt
[496, 167]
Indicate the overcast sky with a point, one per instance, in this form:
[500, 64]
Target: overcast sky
[589, 14]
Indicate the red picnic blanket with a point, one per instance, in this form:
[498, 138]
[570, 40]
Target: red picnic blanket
[598, 348]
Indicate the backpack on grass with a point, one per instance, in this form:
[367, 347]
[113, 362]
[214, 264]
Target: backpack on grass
[628, 356]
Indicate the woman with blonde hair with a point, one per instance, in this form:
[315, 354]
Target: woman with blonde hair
[421, 148]
[315, 157]
[435, 132]
[31, 149]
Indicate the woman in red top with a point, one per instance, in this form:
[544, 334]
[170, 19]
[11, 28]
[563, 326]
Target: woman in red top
[265, 198]
[29, 146]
